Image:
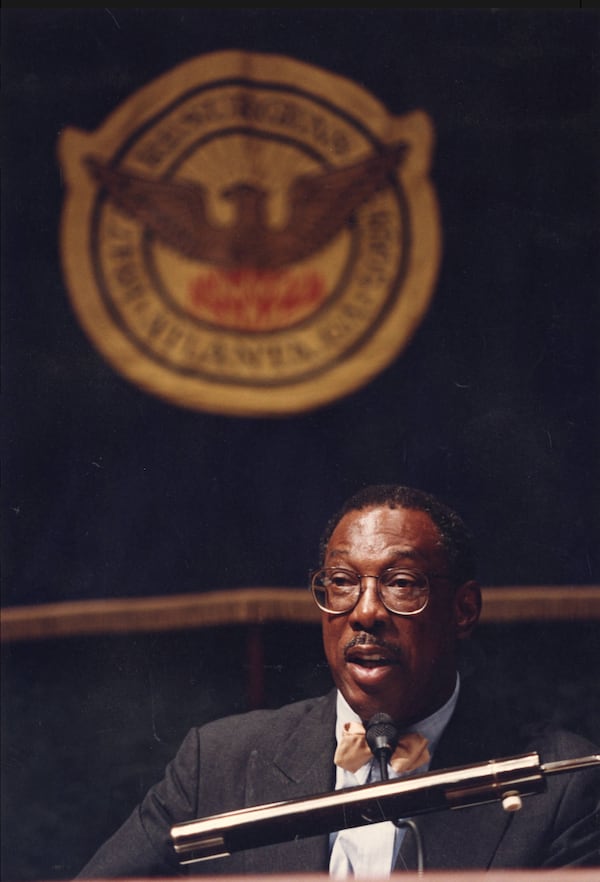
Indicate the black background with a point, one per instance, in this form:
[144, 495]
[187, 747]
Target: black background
[111, 492]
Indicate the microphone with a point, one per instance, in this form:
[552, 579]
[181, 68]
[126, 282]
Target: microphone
[382, 737]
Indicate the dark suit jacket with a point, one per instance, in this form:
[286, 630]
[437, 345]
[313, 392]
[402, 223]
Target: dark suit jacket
[271, 755]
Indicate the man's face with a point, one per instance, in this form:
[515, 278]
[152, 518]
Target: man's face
[404, 666]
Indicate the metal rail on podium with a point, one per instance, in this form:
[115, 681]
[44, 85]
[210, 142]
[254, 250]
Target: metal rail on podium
[505, 780]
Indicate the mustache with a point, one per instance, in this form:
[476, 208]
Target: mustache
[366, 639]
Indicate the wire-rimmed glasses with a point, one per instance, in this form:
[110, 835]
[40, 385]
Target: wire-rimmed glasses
[337, 590]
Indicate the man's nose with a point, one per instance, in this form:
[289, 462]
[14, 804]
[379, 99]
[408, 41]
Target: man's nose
[369, 610]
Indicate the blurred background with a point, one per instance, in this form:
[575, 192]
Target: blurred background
[110, 492]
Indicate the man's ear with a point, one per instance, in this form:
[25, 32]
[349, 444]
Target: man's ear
[467, 608]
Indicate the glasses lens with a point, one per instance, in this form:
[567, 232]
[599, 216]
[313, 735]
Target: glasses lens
[335, 590]
[404, 591]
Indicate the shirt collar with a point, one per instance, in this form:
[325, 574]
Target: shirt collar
[432, 727]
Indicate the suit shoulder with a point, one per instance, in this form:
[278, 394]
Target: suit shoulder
[554, 743]
[267, 723]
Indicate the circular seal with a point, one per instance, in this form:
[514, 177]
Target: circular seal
[249, 234]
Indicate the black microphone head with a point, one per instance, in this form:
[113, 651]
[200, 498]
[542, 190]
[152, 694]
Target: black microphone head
[382, 734]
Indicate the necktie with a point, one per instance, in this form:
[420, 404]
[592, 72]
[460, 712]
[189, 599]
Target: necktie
[353, 751]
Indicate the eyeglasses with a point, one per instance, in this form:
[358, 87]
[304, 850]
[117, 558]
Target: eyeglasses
[404, 592]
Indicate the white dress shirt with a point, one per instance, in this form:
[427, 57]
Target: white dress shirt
[370, 852]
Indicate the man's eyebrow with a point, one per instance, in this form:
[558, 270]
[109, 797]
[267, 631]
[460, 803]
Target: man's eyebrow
[395, 554]
[336, 552]
[408, 553]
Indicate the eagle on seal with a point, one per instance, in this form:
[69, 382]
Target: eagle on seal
[320, 206]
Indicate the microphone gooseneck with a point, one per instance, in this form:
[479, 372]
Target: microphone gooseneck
[382, 737]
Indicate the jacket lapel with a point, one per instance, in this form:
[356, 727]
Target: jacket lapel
[298, 765]
[456, 838]
[467, 837]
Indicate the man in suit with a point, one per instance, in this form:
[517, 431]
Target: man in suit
[398, 595]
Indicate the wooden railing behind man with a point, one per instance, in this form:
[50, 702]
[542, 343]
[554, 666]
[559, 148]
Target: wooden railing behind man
[257, 606]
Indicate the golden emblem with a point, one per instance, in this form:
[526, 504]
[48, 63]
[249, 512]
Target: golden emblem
[250, 235]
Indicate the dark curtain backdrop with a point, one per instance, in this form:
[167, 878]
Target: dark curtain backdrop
[110, 492]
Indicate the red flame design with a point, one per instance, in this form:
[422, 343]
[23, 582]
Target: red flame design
[256, 300]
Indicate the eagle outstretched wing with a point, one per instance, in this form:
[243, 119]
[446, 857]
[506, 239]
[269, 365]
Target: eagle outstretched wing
[320, 206]
[175, 211]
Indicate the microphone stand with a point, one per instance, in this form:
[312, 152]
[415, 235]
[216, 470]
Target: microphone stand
[506, 780]
[382, 736]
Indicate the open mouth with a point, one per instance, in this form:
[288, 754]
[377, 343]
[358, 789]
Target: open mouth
[371, 662]
[371, 655]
